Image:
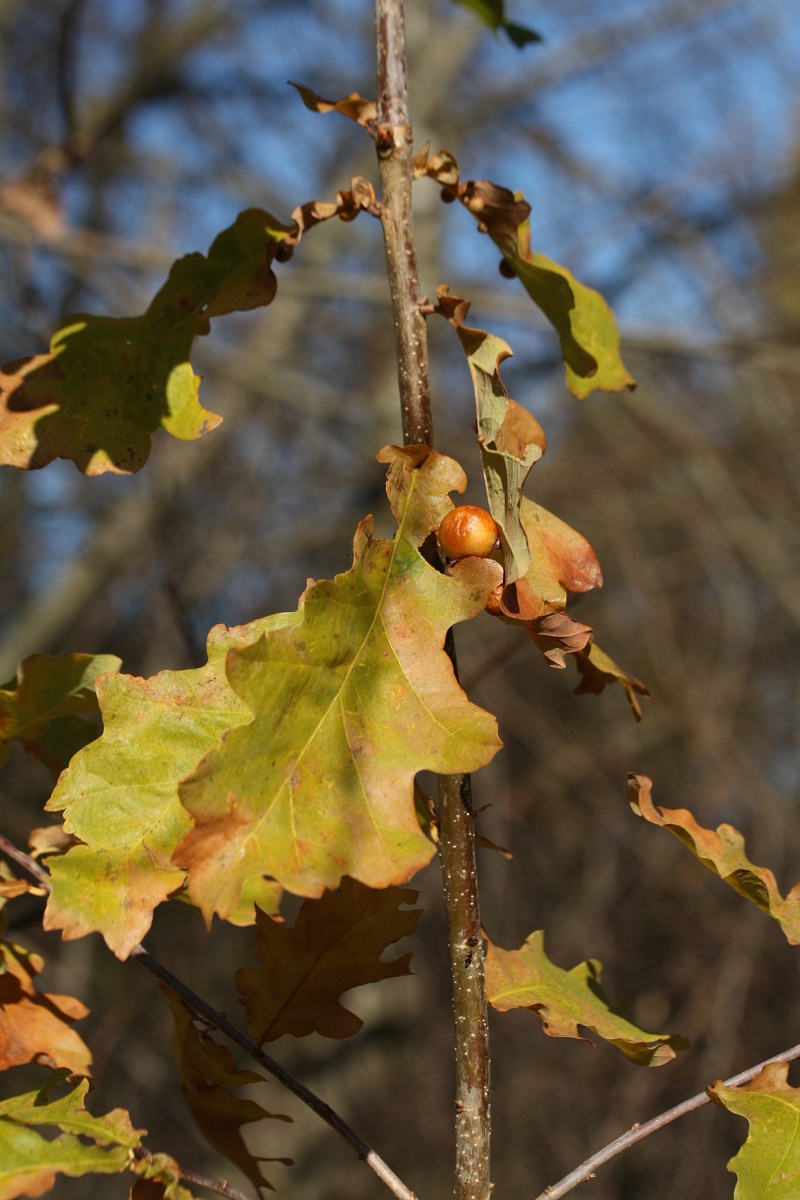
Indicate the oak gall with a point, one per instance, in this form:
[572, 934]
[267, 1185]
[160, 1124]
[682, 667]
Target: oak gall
[467, 531]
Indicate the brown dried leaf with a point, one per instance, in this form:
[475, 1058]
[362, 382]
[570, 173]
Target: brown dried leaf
[347, 206]
[208, 1072]
[353, 106]
[335, 945]
[557, 635]
[35, 1026]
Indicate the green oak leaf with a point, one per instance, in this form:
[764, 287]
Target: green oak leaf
[109, 383]
[587, 331]
[29, 1162]
[43, 707]
[120, 795]
[565, 1000]
[349, 703]
[768, 1164]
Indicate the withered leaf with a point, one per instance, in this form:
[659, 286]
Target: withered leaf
[722, 851]
[36, 1026]
[208, 1074]
[353, 106]
[335, 945]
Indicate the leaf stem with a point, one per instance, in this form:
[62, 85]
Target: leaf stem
[394, 145]
[635, 1134]
[221, 1022]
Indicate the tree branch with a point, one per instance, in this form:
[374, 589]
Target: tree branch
[220, 1186]
[394, 143]
[221, 1022]
[635, 1134]
[456, 843]
[456, 829]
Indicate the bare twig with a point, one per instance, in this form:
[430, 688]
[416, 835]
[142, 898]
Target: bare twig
[220, 1186]
[635, 1134]
[393, 137]
[216, 1019]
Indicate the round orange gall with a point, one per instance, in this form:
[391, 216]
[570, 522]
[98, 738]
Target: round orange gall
[467, 531]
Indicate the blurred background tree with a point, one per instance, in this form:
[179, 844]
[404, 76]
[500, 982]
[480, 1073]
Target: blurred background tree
[657, 144]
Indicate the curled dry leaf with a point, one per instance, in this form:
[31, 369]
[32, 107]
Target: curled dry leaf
[722, 851]
[557, 635]
[364, 112]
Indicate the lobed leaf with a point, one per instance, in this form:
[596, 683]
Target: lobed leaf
[373, 700]
[109, 383]
[29, 1162]
[36, 1026]
[43, 707]
[335, 945]
[768, 1164]
[722, 851]
[565, 1000]
[120, 795]
[208, 1074]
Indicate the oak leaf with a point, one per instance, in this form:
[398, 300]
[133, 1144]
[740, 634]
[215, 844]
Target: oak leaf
[30, 1162]
[349, 703]
[768, 1164]
[109, 383]
[722, 851]
[335, 945]
[120, 795]
[36, 1026]
[44, 707]
[587, 331]
[208, 1074]
[567, 1000]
